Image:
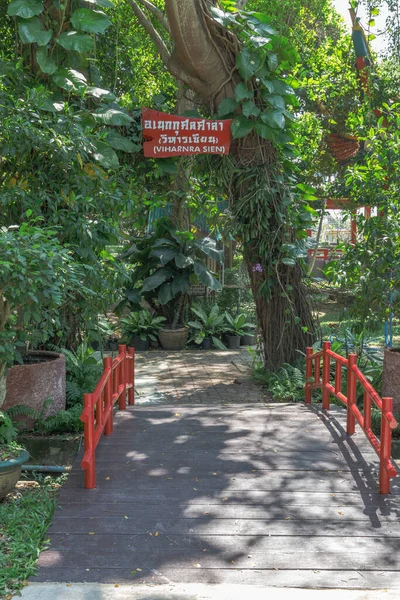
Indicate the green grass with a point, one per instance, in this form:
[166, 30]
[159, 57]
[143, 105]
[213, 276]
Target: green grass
[24, 518]
[331, 313]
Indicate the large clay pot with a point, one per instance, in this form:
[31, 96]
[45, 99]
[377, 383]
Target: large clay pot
[173, 339]
[10, 472]
[33, 382]
[391, 377]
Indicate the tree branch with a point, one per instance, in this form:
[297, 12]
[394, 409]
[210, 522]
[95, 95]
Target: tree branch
[157, 13]
[196, 59]
[153, 33]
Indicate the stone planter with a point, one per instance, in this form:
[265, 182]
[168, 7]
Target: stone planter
[173, 339]
[33, 382]
[53, 450]
[10, 472]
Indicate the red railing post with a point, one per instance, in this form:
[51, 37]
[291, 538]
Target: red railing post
[382, 446]
[89, 445]
[97, 415]
[386, 446]
[367, 411]
[115, 382]
[351, 393]
[309, 372]
[326, 374]
[122, 380]
[131, 376]
[100, 411]
[108, 392]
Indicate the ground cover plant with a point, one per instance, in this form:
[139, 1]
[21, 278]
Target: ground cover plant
[24, 517]
[9, 448]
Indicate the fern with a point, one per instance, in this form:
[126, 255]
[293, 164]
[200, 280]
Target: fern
[286, 385]
[84, 369]
[46, 404]
[73, 393]
[23, 410]
[7, 430]
[65, 421]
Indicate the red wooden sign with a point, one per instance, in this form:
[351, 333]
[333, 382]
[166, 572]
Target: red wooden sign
[168, 135]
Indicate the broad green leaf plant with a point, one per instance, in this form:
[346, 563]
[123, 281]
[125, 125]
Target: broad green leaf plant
[141, 324]
[208, 325]
[166, 264]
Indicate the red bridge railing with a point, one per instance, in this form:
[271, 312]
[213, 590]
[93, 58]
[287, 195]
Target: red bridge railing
[382, 447]
[97, 416]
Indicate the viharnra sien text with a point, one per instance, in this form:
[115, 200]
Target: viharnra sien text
[168, 135]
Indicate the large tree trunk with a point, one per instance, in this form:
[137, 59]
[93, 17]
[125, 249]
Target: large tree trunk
[180, 212]
[284, 317]
[391, 377]
[207, 67]
[196, 59]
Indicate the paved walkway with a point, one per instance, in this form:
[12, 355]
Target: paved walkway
[212, 492]
[196, 378]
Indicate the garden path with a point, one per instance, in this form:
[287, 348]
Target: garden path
[217, 377]
[207, 481]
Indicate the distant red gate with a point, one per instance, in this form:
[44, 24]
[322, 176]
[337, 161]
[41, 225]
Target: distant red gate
[117, 380]
[382, 447]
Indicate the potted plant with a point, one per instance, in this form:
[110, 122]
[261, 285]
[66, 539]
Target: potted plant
[12, 456]
[34, 274]
[207, 327]
[235, 328]
[167, 263]
[100, 333]
[249, 337]
[141, 327]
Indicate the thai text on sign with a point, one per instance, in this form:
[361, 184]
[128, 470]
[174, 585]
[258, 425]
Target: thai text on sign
[167, 135]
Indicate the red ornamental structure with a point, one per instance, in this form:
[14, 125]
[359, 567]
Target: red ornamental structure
[168, 135]
[382, 446]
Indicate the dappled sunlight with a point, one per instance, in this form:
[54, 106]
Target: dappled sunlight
[136, 455]
[218, 489]
[217, 492]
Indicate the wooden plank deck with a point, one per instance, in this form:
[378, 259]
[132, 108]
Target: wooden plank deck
[262, 494]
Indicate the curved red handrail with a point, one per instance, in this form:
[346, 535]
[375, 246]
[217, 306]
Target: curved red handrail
[116, 381]
[381, 446]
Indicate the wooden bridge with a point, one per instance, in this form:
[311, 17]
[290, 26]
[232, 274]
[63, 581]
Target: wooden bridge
[223, 492]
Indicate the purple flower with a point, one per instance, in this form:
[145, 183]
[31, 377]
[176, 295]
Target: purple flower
[257, 268]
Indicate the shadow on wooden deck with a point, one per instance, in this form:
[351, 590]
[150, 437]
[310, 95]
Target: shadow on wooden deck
[273, 495]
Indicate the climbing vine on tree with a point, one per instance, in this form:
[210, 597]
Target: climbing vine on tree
[237, 65]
